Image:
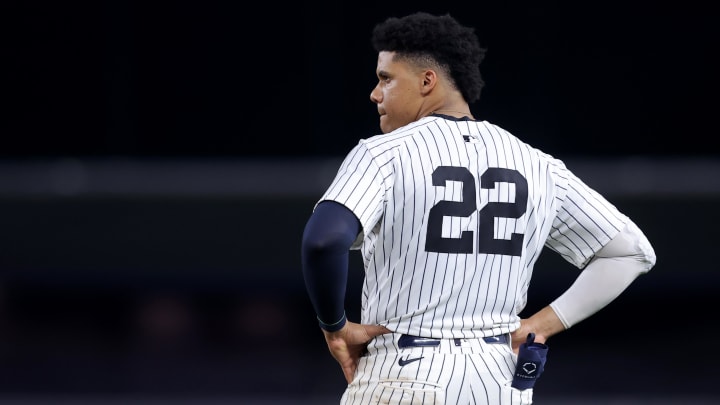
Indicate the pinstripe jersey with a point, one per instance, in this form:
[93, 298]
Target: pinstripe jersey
[455, 213]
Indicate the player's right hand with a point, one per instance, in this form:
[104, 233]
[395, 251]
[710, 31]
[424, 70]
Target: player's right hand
[349, 343]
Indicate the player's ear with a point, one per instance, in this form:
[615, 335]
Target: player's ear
[429, 80]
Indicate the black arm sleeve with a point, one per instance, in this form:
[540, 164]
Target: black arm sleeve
[326, 241]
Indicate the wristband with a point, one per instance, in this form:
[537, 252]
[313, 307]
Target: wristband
[333, 327]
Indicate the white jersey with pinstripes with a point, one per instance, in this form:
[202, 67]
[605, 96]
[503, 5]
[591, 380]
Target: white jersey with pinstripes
[455, 213]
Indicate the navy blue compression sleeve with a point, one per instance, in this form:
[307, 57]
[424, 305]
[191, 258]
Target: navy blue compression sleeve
[328, 235]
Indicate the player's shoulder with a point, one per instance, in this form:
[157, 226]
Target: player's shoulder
[495, 129]
[535, 152]
[402, 134]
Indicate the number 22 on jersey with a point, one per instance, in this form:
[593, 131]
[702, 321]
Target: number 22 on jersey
[487, 243]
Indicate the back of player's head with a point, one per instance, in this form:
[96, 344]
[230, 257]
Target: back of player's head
[441, 39]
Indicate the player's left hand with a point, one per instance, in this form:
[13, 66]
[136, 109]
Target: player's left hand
[519, 336]
[544, 324]
[349, 343]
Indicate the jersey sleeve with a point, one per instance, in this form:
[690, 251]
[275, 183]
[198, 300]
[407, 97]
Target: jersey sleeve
[359, 185]
[586, 221]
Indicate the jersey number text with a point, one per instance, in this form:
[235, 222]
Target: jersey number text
[435, 242]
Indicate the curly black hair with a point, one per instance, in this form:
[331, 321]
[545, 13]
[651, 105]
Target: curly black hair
[440, 39]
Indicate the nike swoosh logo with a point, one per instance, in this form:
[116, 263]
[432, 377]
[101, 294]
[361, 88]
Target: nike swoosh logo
[407, 360]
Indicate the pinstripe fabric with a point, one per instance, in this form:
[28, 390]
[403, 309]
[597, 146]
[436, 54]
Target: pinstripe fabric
[455, 213]
[476, 373]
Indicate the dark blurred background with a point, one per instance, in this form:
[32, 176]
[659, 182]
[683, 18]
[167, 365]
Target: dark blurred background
[158, 161]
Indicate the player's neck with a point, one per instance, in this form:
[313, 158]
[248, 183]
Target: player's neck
[453, 106]
[460, 113]
[447, 101]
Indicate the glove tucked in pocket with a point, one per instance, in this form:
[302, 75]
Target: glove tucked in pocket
[530, 363]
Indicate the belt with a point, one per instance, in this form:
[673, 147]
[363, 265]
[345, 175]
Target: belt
[417, 341]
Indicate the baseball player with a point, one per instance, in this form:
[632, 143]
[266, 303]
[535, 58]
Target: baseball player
[451, 213]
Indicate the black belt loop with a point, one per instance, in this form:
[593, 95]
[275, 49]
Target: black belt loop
[499, 339]
[417, 341]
